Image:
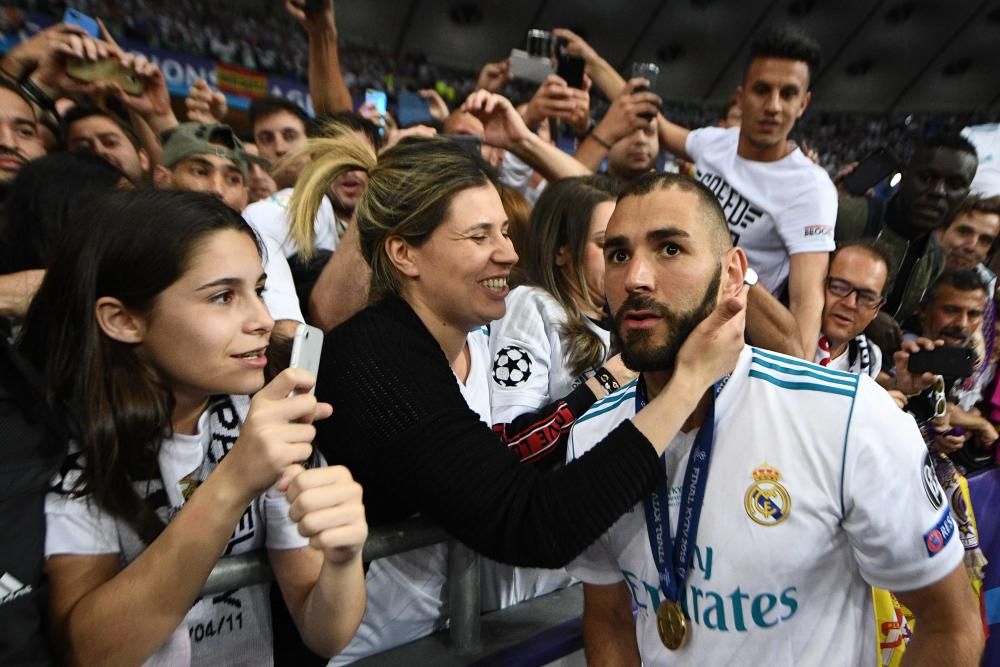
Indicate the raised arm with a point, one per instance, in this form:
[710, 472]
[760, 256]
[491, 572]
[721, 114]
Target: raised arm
[772, 326]
[505, 128]
[326, 80]
[624, 116]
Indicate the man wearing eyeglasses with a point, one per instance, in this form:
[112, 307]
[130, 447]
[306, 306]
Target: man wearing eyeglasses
[855, 290]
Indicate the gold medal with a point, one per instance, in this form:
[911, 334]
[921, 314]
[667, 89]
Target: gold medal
[672, 625]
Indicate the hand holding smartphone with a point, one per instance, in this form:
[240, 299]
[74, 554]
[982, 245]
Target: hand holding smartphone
[950, 361]
[307, 346]
[651, 73]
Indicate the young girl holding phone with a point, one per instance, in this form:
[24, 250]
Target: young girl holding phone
[151, 330]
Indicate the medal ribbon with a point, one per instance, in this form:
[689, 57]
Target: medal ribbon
[674, 571]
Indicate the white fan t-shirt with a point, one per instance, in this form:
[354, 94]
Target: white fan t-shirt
[774, 209]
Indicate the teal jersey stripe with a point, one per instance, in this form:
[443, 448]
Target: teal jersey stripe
[808, 386]
[616, 396]
[792, 361]
[599, 409]
[811, 372]
[484, 330]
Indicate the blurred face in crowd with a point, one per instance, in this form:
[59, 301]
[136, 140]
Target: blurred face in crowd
[664, 273]
[967, 241]
[954, 314]
[934, 185]
[19, 138]
[459, 275]
[593, 255]
[774, 94]
[211, 174]
[104, 138]
[635, 154]
[346, 189]
[260, 185]
[733, 117]
[844, 317]
[278, 135]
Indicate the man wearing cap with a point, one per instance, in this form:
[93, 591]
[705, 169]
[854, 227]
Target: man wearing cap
[208, 158]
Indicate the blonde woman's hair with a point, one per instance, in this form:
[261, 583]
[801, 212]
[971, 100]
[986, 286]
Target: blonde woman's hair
[409, 192]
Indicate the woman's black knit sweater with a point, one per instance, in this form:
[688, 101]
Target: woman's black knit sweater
[402, 427]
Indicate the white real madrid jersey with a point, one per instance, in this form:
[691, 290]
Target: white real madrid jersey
[774, 209]
[818, 488]
[529, 360]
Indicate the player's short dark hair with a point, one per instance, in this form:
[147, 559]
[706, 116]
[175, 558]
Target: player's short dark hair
[964, 280]
[947, 141]
[263, 107]
[786, 41]
[712, 212]
[871, 248]
[81, 111]
[355, 123]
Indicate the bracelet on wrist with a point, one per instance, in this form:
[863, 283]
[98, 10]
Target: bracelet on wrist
[607, 380]
[595, 137]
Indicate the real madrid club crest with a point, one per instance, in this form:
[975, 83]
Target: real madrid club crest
[767, 502]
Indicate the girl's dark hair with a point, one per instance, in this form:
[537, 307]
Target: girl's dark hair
[561, 217]
[130, 245]
[44, 200]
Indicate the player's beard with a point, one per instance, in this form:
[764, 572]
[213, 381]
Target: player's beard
[638, 351]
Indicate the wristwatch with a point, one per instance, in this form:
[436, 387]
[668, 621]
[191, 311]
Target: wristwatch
[750, 278]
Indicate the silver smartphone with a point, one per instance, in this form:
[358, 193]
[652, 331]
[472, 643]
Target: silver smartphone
[307, 346]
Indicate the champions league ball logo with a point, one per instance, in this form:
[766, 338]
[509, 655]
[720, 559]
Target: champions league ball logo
[512, 366]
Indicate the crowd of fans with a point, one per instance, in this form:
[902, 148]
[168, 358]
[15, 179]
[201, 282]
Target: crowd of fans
[541, 348]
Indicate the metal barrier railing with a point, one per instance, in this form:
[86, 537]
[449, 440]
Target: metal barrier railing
[463, 571]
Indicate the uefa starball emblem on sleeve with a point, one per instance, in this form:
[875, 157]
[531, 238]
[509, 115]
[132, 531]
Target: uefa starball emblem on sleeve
[767, 502]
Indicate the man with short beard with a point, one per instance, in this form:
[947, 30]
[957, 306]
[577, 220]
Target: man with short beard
[809, 485]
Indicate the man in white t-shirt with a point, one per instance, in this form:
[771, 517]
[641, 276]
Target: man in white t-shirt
[855, 290]
[809, 485]
[780, 207]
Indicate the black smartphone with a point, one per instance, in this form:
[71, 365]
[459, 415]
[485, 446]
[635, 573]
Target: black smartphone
[872, 170]
[950, 361]
[650, 72]
[569, 67]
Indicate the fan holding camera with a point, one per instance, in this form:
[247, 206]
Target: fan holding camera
[951, 313]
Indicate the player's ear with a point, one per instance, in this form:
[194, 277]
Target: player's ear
[734, 269]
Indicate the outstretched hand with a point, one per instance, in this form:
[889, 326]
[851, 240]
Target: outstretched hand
[502, 124]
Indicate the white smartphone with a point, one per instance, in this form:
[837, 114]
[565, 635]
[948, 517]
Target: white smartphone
[307, 346]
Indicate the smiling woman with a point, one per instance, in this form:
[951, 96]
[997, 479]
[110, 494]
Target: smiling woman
[150, 327]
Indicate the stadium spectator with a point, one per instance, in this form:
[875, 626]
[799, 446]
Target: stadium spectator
[93, 130]
[780, 206]
[952, 311]
[855, 289]
[670, 265]
[45, 199]
[166, 325]
[557, 321]
[934, 184]
[260, 184]
[205, 158]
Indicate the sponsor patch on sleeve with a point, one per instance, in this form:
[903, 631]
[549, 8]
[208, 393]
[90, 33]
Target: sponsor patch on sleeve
[937, 538]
